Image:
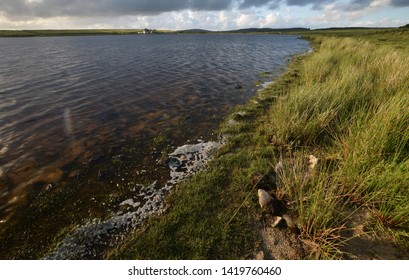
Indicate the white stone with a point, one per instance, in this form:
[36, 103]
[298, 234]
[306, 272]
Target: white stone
[264, 199]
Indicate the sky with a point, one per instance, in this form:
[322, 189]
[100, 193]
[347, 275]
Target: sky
[203, 14]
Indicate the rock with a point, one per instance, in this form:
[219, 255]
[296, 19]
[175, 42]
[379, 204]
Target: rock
[265, 200]
[49, 187]
[289, 222]
[259, 256]
[276, 221]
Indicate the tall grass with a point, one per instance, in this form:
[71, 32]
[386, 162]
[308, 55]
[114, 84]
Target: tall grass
[351, 104]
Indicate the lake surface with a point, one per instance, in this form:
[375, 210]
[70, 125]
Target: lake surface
[66, 100]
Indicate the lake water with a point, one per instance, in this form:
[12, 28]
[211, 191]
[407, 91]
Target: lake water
[66, 100]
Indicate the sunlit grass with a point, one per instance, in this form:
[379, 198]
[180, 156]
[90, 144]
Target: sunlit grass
[352, 101]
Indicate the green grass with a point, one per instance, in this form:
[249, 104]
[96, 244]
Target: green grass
[351, 109]
[346, 103]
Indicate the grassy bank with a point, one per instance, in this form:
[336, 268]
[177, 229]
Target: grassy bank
[347, 105]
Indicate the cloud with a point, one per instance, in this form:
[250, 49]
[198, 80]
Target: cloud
[317, 4]
[96, 8]
[348, 13]
[270, 20]
[400, 3]
[255, 3]
[348, 5]
[54, 8]
[185, 14]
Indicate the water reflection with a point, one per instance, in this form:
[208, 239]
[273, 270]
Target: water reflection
[67, 122]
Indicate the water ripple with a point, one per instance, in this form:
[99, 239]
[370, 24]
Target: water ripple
[111, 84]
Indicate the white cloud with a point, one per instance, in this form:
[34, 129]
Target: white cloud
[341, 14]
[243, 21]
[223, 20]
[376, 4]
[270, 20]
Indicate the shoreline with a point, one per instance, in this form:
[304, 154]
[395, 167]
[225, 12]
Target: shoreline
[317, 212]
[94, 189]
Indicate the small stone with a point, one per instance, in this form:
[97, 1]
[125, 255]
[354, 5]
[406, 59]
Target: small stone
[289, 221]
[276, 221]
[264, 199]
[259, 256]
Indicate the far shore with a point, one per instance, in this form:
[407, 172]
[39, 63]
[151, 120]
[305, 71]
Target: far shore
[95, 32]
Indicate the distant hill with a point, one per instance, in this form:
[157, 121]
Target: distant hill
[267, 30]
[247, 30]
[348, 28]
[194, 31]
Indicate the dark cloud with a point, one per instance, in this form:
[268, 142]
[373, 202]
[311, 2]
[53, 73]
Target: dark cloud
[356, 5]
[254, 3]
[315, 3]
[18, 9]
[50, 8]
[352, 5]
[272, 4]
[400, 3]
[209, 5]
